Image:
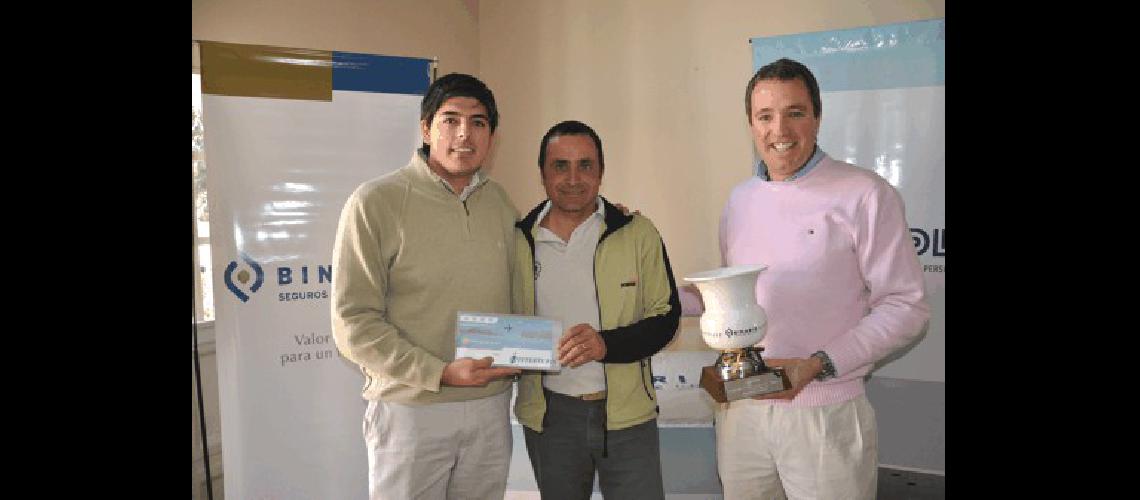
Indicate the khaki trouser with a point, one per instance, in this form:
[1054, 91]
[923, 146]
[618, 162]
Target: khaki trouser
[439, 451]
[766, 451]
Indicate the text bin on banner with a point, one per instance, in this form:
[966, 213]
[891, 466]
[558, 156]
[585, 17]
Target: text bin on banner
[289, 133]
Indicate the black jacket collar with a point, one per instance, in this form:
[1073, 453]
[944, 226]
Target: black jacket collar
[613, 218]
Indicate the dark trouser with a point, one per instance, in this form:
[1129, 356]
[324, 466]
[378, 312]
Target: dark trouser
[570, 449]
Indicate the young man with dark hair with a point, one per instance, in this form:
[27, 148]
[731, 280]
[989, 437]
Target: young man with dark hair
[412, 248]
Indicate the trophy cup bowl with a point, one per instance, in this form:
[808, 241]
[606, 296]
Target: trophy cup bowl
[733, 322]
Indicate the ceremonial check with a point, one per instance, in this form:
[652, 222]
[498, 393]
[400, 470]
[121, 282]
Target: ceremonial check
[513, 340]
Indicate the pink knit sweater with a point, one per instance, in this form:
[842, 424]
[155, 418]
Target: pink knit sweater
[842, 272]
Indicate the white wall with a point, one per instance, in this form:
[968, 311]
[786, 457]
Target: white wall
[662, 81]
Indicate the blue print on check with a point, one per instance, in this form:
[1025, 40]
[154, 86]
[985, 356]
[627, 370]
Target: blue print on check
[513, 340]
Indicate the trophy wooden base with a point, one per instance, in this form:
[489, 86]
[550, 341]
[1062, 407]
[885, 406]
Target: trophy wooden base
[722, 391]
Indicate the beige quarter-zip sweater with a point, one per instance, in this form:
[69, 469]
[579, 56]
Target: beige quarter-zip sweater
[409, 253]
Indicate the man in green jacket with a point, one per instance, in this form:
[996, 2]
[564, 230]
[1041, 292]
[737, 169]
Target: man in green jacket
[607, 277]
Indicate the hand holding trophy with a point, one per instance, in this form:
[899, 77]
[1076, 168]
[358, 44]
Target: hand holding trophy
[733, 322]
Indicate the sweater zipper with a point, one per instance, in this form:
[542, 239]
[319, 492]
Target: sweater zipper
[643, 386]
[466, 220]
[605, 376]
[598, 299]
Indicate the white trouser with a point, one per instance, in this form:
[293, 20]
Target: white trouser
[436, 451]
[766, 451]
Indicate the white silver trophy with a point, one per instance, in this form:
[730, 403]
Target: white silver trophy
[733, 322]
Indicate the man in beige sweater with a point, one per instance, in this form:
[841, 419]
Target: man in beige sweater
[412, 248]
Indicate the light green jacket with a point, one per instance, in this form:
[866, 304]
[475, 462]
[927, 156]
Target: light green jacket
[639, 308]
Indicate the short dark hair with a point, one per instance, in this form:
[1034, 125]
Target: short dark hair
[457, 85]
[571, 127]
[784, 69]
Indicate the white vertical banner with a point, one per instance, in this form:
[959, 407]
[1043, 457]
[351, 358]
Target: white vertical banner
[883, 91]
[289, 133]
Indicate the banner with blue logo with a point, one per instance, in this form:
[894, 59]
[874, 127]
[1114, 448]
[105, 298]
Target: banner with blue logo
[289, 134]
[883, 90]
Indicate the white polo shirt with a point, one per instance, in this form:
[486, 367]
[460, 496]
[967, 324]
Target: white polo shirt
[564, 289]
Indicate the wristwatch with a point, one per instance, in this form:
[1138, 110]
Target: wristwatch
[828, 370]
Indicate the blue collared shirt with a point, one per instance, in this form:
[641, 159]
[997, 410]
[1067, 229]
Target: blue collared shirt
[762, 169]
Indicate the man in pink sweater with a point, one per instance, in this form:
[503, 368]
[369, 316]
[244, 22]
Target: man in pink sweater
[843, 290]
